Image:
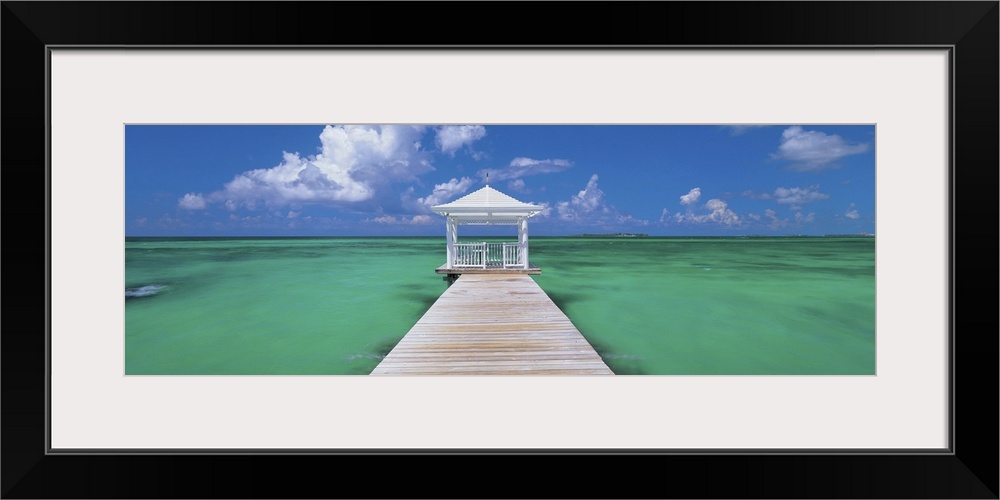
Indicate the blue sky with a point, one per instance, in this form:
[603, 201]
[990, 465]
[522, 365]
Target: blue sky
[372, 180]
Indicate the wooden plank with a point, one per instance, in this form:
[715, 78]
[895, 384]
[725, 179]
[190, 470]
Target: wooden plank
[493, 324]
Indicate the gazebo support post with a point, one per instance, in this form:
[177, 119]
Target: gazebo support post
[452, 233]
[522, 240]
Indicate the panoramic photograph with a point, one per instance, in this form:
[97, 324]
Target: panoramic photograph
[443, 249]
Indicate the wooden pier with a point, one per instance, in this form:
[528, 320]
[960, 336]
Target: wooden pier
[531, 269]
[493, 324]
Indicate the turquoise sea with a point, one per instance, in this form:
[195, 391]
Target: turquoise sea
[650, 306]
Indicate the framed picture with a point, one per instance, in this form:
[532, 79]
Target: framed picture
[921, 75]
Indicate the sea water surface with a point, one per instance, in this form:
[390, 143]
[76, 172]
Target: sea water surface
[652, 306]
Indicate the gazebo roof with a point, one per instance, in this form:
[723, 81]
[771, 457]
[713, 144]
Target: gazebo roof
[485, 204]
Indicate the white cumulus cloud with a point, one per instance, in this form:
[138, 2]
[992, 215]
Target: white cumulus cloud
[589, 200]
[721, 213]
[192, 201]
[813, 150]
[691, 197]
[445, 191]
[451, 138]
[718, 213]
[775, 222]
[852, 213]
[804, 218]
[590, 207]
[354, 162]
[546, 209]
[798, 196]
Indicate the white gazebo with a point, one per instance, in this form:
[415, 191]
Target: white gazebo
[487, 206]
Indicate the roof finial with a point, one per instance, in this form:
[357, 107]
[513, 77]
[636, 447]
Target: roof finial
[487, 179]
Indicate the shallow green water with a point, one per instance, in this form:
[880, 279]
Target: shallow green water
[648, 305]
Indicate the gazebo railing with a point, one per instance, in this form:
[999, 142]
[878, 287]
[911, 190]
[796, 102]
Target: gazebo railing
[486, 254]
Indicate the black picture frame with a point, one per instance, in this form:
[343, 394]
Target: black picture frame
[970, 470]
